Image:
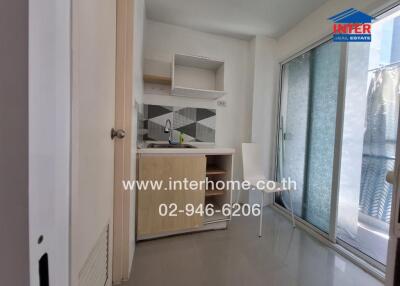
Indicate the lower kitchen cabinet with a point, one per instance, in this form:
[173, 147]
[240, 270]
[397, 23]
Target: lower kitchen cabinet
[165, 169]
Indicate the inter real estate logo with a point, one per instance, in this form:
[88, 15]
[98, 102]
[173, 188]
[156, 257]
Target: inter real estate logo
[351, 25]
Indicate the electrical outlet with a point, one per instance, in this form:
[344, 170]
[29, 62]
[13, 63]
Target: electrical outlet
[221, 103]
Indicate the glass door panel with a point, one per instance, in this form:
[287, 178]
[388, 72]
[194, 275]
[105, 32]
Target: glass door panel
[308, 121]
[294, 118]
[321, 141]
[369, 139]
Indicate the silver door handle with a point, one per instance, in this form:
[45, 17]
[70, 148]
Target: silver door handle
[390, 177]
[119, 133]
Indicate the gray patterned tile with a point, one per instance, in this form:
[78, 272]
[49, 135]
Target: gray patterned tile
[196, 124]
[204, 134]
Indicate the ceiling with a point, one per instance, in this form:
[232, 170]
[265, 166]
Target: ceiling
[236, 18]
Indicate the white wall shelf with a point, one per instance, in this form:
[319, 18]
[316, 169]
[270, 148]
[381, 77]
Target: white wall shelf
[199, 77]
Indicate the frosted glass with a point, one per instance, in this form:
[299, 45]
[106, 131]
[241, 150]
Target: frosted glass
[308, 110]
[295, 118]
[324, 93]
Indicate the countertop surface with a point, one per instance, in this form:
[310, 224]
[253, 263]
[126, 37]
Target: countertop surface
[207, 150]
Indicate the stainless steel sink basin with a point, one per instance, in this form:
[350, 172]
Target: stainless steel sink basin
[160, 145]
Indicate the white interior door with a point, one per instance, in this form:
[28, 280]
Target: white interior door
[93, 110]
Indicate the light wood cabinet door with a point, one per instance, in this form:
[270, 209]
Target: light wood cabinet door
[166, 169]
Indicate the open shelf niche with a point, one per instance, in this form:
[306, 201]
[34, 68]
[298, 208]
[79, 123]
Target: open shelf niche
[219, 168]
[195, 76]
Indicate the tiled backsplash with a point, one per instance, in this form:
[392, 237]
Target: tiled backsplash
[196, 124]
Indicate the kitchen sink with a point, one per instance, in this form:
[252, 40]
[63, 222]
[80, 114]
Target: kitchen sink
[160, 145]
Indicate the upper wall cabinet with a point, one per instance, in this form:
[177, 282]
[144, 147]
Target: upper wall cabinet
[199, 77]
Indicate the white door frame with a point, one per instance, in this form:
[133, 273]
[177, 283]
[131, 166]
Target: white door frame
[49, 137]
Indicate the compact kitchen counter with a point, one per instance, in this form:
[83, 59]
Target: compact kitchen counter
[195, 164]
[206, 150]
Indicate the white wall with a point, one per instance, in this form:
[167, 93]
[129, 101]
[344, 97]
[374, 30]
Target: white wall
[233, 123]
[138, 30]
[138, 38]
[263, 50]
[49, 136]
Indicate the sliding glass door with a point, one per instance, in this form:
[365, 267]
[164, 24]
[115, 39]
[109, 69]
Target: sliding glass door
[308, 121]
[339, 108]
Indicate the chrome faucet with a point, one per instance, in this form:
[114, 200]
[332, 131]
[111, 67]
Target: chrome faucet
[169, 130]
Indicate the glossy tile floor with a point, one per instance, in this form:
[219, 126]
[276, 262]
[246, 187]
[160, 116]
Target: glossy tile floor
[283, 256]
